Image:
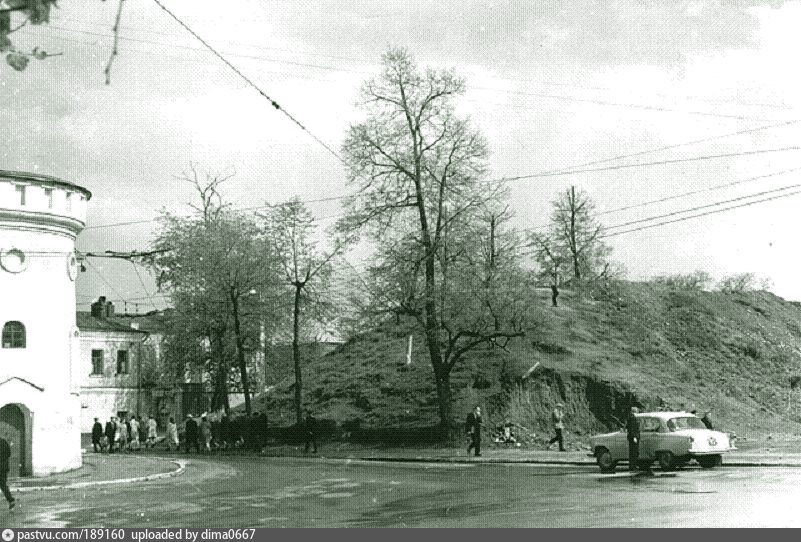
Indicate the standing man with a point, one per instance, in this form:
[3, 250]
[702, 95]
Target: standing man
[97, 435]
[473, 429]
[5, 454]
[633, 435]
[310, 428]
[111, 433]
[558, 417]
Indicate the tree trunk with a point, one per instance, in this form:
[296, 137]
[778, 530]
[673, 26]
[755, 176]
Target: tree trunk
[240, 354]
[296, 356]
[443, 379]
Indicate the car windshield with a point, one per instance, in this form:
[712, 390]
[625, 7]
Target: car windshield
[685, 422]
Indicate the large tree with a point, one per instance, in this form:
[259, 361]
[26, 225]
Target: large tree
[222, 274]
[306, 269]
[418, 170]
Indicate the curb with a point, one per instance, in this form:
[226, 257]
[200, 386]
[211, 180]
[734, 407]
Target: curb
[79, 485]
[550, 461]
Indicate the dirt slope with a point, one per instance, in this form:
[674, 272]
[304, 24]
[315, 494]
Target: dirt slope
[731, 353]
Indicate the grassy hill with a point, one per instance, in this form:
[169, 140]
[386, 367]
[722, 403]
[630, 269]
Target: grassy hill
[731, 353]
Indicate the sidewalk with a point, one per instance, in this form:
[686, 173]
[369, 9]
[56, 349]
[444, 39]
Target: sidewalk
[103, 469]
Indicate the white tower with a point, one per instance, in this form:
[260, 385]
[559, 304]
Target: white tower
[40, 217]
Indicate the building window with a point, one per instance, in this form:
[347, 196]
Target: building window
[69, 201]
[21, 194]
[122, 362]
[13, 335]
[49, 196]
[97, 362]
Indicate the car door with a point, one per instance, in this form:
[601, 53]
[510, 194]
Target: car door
[649, 437]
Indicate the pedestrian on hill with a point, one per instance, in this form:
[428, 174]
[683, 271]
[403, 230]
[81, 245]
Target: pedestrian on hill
[310, 430]
[633, 436]
[97, 435]
[190, 434]
[5, 455]
[205, 434]
[472, 427]
[558, 418]
[111, 433]
[707, 419]
[172, 434]
[152, 431]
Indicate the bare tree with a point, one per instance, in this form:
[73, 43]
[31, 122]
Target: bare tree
[576, 236]
[417, 168]
[291, 230]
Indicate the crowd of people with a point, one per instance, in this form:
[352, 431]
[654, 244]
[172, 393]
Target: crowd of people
[203, 434]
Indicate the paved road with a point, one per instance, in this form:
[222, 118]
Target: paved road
[243, 492]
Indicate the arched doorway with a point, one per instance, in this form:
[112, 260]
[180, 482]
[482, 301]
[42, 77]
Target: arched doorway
[15, 427]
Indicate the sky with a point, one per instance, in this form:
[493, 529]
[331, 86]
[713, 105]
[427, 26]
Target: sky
[553, 85]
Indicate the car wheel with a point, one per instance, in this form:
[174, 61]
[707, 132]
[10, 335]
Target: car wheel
[666, 460]
[710, 461]
[605, 461]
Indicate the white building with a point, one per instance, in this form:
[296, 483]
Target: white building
[119, 354]
[40, 218]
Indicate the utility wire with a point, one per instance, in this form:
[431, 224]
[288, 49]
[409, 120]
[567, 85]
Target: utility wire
[708, 205]
[645, 227]
[645, 164]
[248, 81]
[107, 283]
[364, 72]
[700, 191]
[142, 283]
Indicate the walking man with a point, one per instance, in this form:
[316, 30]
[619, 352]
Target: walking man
[473, 429]
[152, 431]
[97, 435]
[633, 435]
[558, 417]
[310, 428]
[5, 454]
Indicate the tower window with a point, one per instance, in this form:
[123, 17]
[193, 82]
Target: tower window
[122, 362]
[21, 193]
[49, 195]
[97, 362]
[13, 335]
[69, 201]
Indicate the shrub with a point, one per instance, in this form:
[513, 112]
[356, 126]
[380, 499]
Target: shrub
[695, 281]
[738, 284]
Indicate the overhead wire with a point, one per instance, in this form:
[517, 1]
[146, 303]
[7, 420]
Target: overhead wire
[245, 78]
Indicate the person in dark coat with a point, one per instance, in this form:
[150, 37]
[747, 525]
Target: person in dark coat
[191, 434]
[473, 428]
[310, 430]
[5, 455]
[111, 432]
[633, 436]
[225, 432]
[97, 435]
[707, 420]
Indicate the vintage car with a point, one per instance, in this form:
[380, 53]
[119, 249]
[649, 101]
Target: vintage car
[671, 439]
